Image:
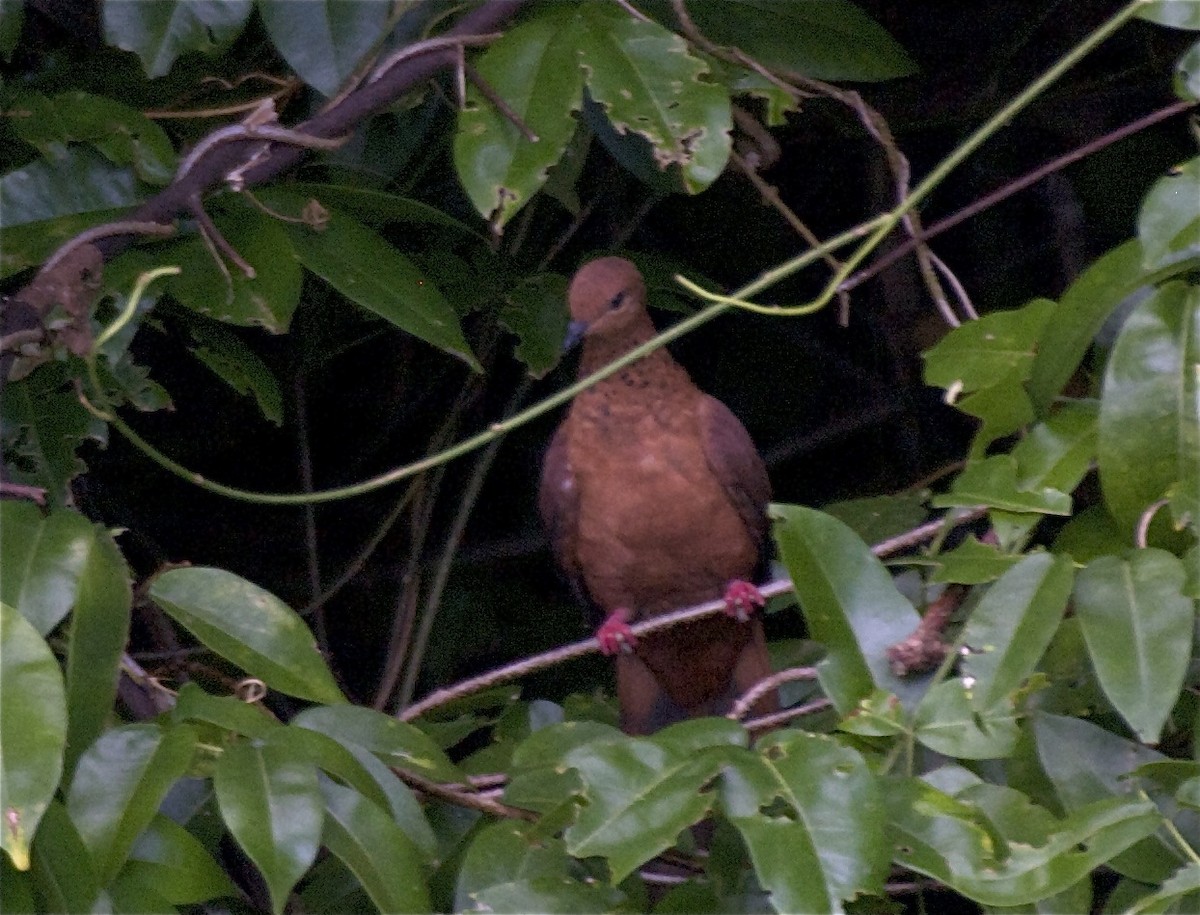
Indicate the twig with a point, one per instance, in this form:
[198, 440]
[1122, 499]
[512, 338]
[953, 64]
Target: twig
[210, 232]
[19, 338]
[746, 701]
[1002, 193]
[462, 798]
[924, 649]
[654, 624]
[1143, 525]
[88, 236]
[440, 43]
[633, 11]
[775, 719]
[500, 104]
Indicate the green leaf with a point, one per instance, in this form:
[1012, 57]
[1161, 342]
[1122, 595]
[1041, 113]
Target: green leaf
[226, 293]
[359, 769]
[831, 40]
[992, 350]
[993, 482]
[375, 208]
[158, 31]
[949, 722]
[99, 629]
[1057, 452]
[33, 731]
[1091, 533]
[1138, 626]
[75, 180]
[535, 69]
[271, 804]
[1010, 628]
[950, 841]
[367, 270]
[536, 312]
[1086, 763]
[397, 743]
[250, 627]
[169, 858]
[639, 795]
[878, 518]
[1081, 312]
[1178, 14]
[509, 852]
[850, 604]
[1149, 417]
[649, 84]
[64, 875]
[44, 423]
[827, 843]
[123, 134]
[43, 557]
[563, 895]
[235, 363]
[119, 782]
[324, 42]
[1169, 221]
[382, 857]
[973, 563]
[1184, 881]
[226, 712]
[1002, 409]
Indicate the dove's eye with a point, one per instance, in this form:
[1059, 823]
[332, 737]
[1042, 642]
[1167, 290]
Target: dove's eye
[615, 302]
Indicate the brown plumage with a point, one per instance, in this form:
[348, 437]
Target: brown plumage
[655, 498]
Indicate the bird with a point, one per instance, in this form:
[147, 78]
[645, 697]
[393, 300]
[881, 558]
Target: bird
[655, 498]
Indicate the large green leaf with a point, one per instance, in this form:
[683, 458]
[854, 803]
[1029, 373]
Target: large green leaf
[75, 180]
[324, 41]
[850, 603]
[225, 292]
[1086, 763]
[1179, 14]
[123, 134]
[226, 712]
[119, 782]
[955, 842]
[1081, 312]
[649, 83]
[1138, 626]
[43, 424]
[1149, 416]
[363, 771]
[99, 629]
[29, 244]
[826, 841]
[993, 481]
[948, 722]
[535, 69]
[509, 852]
[989, 351]
[43, 557]
[169, 858]
[382, 857]
[1169, 221]
[1058, 451]
[1184, 882]
[33, 732]
[360, 265]
[271, 804]
[830, 40]
[1009, 629]
[250, 626]
[158, 31]
[63, 872]
[397, 743]
[535, 311]
[639, 795]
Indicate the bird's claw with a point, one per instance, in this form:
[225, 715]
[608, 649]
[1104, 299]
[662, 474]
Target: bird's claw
[614, 634]
[741, 599]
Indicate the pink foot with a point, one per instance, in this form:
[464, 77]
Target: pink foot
[741, 599]
[614, 633]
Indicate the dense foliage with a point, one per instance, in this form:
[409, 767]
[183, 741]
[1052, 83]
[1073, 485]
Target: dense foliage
[218, 405]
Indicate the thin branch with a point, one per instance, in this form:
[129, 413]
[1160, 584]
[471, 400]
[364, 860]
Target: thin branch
[746, 701]
[787, 715]
[498, 103]
[89, 236]
[212, 234]
[1002, 193]
[583, 647]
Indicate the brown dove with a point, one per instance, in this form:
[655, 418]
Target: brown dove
[655, 498]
